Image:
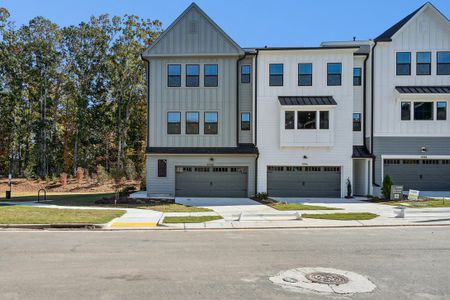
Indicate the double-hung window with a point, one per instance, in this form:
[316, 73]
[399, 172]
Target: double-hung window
[245, 73]
[305, 74]
[245, 121]
[356, 76]
[174, 75]
[441, 110]
[192, 122]
[192, 75]
[423, 111]
[443, 63]
[306, 119]
[423, 63]
[403, 63]
[356, 121]
[406, 111]
[334, 74]
[174, 122]
[275, 74]
[324, 120]
[211, 121]
[289, 120]
[211, 75]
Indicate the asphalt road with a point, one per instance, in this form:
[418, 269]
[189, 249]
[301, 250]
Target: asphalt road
[404, 263]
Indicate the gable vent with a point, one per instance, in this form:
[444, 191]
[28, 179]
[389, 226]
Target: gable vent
[193, 27]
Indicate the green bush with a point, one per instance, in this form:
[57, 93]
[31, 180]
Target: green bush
[102, 175]
[386, 188]
[130, 170]
[349, 188]
[262, 196]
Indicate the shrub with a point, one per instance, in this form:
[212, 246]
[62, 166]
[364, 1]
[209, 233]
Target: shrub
[29, 172]
[63, 178]
[386, 188]
[262, 196]
[349, 188]
[79, 174]
[130, 170]
[102, 175]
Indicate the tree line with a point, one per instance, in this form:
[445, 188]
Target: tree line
[73, 97]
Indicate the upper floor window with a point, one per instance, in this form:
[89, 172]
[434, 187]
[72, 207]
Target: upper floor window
[306, 119]
[406, 111]
[192, 75]
[289, 120]
[174, 75]
[334, 74]
[276, 74]
[192, 122]
[174, 122]
[211, 121]
[441, 110]
[324, 120]
[356, 121]
[245, 121]
[356, 76]
[305, 74]
[423, 63]
[211, 75]
[403, 63]
[423, 111]
[245, 73]
[443, 63]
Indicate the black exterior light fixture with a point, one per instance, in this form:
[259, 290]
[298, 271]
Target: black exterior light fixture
[423, 149]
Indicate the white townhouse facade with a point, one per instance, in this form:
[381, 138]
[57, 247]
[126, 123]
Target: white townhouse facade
[226, 121]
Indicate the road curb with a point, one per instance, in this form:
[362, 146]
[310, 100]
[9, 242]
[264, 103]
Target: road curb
[52, 226]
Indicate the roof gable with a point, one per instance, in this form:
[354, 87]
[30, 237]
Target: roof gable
[193, 33]
[393, 30]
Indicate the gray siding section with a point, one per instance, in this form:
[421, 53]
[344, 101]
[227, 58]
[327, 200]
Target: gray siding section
[407, 146]
[193, 34]
[221, 99]
[246, 102]
[166, 185]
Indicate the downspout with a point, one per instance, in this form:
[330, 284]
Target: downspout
[364, 100]
[372, 93]
[147, 79]
[256, 120]
[237, 98]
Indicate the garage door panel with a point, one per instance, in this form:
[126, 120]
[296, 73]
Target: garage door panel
[425, 175]
[211, 182]
[304, 181]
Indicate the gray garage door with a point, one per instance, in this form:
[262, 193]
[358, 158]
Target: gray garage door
[419, 174]
[304, 181]
[211, 181]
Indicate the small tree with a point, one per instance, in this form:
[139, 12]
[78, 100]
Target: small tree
[117, 176]
[349, 188]
[130, 170]
[102, 175]
[386, 188]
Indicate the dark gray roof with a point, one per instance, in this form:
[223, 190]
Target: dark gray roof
[423, 89]
[387, 35]
[361, 152]
[307, 100]
[242, 149]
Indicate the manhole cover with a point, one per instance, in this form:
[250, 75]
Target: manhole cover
[290, 280]
[327, 278]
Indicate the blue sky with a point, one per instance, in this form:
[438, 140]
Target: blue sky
[249, 23]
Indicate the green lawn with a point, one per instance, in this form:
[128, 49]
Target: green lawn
[342, 216]
[174, 208]
[299, 206]
[38, 215]
[88, 199]
[200, 219]
[419, 204]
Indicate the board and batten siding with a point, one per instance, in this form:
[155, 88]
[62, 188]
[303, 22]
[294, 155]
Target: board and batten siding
[425, 32]
[166, 185]
[246, 101]
[221, 99]
[407, 146]
[271, 153]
